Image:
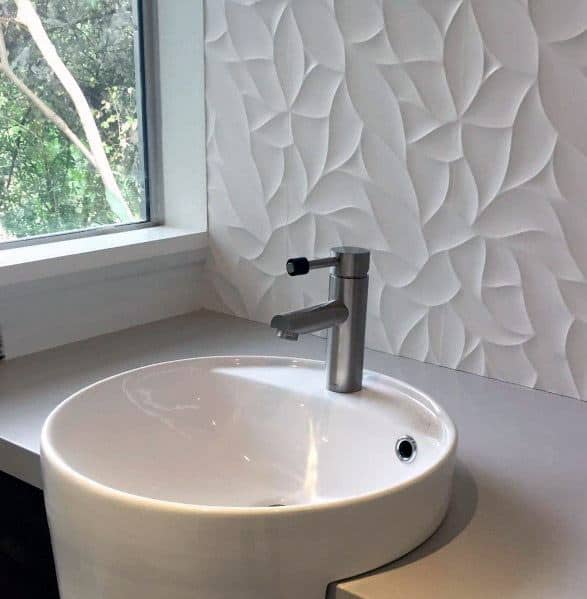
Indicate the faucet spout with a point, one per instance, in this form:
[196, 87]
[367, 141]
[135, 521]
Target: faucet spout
[310, 320]
[288, 335]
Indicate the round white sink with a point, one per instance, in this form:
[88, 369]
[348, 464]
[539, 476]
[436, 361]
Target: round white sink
[244, 477]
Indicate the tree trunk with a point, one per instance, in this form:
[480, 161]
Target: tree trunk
[39, 104]
[27, 15]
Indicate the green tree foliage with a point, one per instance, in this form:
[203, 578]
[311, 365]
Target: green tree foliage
[46, 184]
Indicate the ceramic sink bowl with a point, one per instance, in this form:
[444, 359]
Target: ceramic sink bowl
[239, 477]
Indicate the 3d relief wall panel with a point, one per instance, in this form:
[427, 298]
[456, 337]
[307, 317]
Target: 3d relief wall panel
[449, 136]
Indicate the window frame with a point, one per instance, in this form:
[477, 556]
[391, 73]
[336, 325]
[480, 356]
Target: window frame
[175, 179]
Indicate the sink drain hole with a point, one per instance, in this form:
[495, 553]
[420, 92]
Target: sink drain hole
[406, 448]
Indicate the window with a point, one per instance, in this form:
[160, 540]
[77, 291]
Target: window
[71, 127]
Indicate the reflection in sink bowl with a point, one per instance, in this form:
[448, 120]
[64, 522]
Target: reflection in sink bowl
[238, 477]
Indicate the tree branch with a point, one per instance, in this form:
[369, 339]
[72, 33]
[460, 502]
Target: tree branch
[27, 15]
[38, 103]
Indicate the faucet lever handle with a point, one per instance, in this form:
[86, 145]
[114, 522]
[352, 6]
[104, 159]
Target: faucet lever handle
[302, 266]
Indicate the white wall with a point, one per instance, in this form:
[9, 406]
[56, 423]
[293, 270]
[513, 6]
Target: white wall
[450, 136]
[51, 312]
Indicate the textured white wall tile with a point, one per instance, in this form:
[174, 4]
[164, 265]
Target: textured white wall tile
[449, 136]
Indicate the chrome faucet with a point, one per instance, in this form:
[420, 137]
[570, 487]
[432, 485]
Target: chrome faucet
[344, 315]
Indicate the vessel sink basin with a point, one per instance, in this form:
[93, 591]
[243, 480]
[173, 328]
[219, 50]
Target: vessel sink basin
[226, 477]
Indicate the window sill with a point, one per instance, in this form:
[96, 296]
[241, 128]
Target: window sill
[30, 263]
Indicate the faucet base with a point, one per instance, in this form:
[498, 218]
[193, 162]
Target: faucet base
[346, 340]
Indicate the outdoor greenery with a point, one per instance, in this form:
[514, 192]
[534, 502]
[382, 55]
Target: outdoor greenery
[47, 184]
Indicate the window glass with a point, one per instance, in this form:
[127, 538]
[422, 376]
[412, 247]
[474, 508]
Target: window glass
[71, 151]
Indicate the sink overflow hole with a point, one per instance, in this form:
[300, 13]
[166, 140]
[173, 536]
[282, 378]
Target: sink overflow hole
[406, 448]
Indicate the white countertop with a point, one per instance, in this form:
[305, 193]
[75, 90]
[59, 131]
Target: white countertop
[517, 525]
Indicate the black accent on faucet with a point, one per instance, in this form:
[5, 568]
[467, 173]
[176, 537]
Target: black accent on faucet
[302, 266]
[297, 266]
